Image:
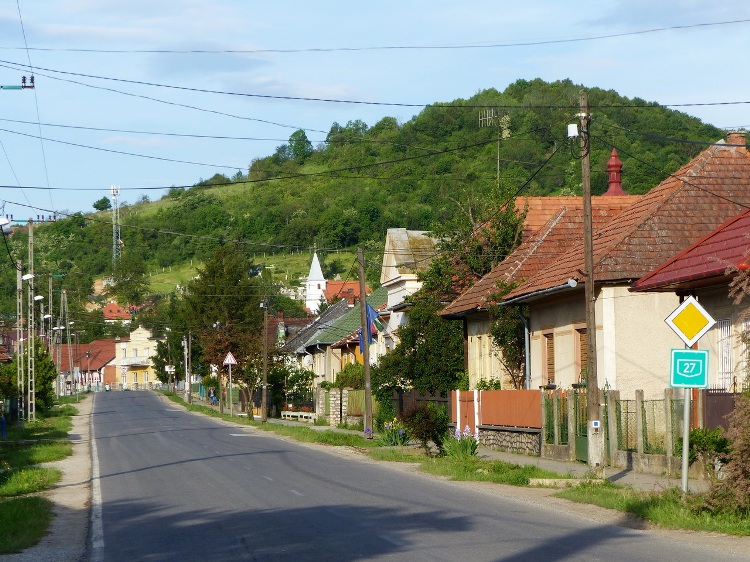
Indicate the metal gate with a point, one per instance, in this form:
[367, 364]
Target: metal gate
[580, 411]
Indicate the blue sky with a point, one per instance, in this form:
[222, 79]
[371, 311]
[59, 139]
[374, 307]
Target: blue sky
[333, 50]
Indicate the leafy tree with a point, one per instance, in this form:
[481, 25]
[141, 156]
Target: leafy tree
[103, 204]
[130, 283]
[300, 148]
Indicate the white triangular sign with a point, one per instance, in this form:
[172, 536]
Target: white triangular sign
[229, 359]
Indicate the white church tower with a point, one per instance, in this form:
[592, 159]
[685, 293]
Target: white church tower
[314, 286]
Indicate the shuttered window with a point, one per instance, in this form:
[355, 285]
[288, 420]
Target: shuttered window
[583, 345]
[550, 357]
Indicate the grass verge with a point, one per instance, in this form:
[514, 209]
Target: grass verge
[666, 509]
[23, 521]
[25, 518]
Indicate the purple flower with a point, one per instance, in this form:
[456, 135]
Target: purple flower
[368, 431]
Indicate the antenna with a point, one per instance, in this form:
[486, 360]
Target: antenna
[490, 118]
[116, 241]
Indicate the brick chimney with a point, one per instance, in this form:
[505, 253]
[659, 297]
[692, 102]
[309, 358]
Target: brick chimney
[614, 171]
[736, 137]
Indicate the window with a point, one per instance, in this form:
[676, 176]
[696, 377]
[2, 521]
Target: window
[724, 351]
[549, 357]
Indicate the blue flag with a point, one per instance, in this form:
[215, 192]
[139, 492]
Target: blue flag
[372, 315]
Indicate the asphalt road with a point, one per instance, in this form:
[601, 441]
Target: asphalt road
[170, 485]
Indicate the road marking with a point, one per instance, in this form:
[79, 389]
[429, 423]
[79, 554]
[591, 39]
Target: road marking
[268, 478]
[97, 528]
[241, 435]
[296, 493]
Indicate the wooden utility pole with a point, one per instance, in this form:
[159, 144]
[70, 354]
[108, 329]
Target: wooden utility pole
[365, 343]
[595, 432]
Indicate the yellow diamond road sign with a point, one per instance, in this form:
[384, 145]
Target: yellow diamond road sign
[690, 321]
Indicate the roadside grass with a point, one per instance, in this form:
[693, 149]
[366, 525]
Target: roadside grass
[666, 509]
[22, 481]
[24, 521]
[25, 518]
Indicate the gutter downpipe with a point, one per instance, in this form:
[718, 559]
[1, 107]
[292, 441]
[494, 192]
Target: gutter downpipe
[571, 284]
[527, 348]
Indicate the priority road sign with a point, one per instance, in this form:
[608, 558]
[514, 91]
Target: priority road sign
[689, 368]
[229, 359]
[690, 321]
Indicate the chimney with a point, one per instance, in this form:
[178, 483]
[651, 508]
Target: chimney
[736, 137]
[614, 171]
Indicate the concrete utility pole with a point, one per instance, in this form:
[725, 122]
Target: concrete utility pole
[365, 343]
[595, 432]
[264, 384]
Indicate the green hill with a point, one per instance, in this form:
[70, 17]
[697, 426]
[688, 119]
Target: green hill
[365, 179]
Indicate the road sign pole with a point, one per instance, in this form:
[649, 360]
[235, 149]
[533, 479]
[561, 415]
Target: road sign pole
[685, 439]
[230, 391]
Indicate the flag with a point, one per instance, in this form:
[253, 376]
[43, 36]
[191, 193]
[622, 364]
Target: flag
[372, 326]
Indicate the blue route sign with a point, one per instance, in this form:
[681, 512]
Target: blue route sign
[689, 368]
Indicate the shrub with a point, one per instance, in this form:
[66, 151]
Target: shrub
[709, 446]
[489, 384]
[351, 376]
[427, 423]
[461, 445]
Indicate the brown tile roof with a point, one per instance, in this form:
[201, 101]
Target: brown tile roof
[706, 262]
[348, 290]
[679, 211]
[541, 209]
[561, 232]
[102, 353]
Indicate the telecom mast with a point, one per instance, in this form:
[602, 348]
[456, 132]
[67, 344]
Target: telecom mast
[116, 241]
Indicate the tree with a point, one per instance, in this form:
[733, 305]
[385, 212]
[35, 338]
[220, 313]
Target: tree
[130, 283]
[103, 204]
[300, 148]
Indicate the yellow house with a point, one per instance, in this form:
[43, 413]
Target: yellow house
[135, 371]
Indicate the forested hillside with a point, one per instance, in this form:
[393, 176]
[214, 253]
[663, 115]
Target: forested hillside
[435, 168]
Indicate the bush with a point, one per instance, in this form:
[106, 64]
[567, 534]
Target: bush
[709, 446]
[461, 445]
[427, 423]
[732, 493]
[351, 376]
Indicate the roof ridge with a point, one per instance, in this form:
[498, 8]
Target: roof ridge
[538, 241]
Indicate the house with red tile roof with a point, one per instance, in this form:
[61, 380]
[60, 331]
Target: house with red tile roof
[84, 363]
[633, 351]
[715, 270]
[114, 312]
[558, 226]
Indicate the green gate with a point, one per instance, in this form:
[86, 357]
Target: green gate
[580, 407]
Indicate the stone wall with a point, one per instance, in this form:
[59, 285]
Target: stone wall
[511, 440]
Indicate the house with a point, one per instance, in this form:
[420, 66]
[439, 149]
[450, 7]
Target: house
[113, 312]
[630, 345]
[552, 226]
[305, 344]
[407, 254]
[133, 361]
[715, 270]
[88, 363]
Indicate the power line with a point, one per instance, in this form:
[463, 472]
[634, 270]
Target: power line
[492, 45]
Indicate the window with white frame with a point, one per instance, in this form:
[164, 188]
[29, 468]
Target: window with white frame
[724, 351]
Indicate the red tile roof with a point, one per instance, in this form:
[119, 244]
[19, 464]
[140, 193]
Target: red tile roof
[679, 211]
[102, 353]
[114, 311]
[349, 290]
[557, 236]
[711, 260]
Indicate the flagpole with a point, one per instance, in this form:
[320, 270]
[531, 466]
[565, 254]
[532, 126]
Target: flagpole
[365, 343]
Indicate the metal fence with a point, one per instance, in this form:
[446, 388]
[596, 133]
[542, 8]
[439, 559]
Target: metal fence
[627, 434]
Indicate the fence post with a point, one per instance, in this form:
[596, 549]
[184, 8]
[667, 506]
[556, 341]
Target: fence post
[613, 396]
[542, 396]
[571, 426]
[668, 443]
[556, 416]
[639, 421]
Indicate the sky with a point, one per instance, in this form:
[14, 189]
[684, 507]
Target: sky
[148, 95]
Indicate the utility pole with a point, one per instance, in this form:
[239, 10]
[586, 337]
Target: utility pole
[23, 86]
[595, 432]
[19, 339]
[365, 343]
[30, 328]
[489, 118]
[264, 384]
